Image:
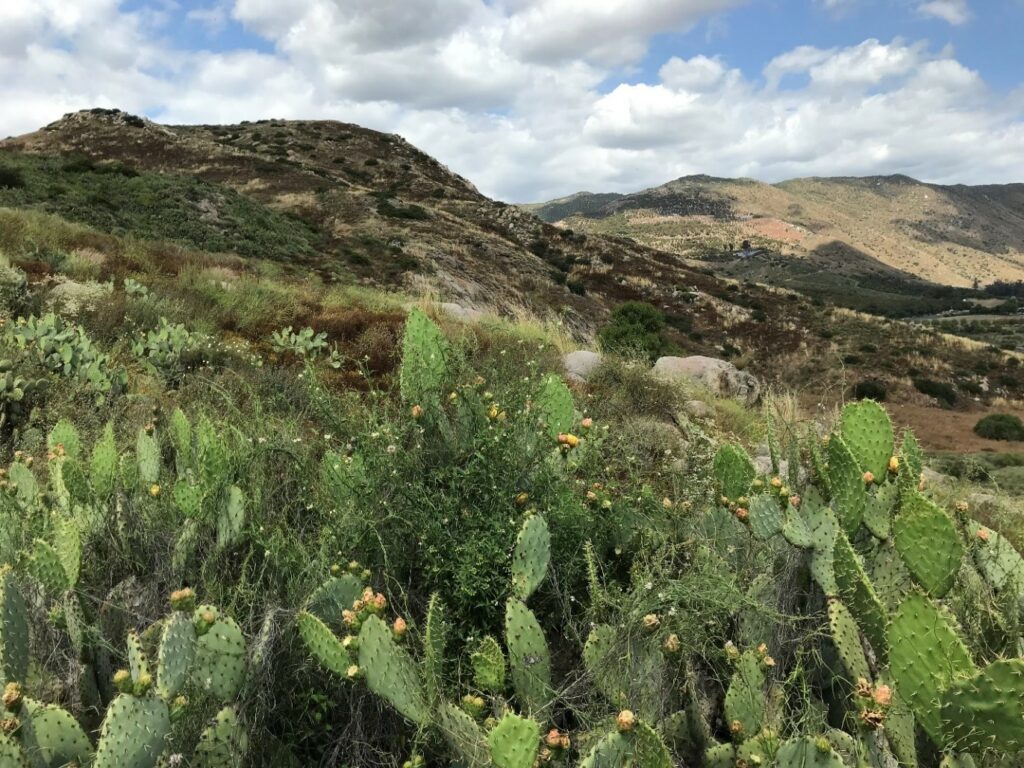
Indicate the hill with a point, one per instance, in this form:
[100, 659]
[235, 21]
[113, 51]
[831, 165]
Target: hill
[883, 243]
[331, 204]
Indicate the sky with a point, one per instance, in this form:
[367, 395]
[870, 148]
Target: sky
[534, 99]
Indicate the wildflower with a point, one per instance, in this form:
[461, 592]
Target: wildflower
[154, 490]
[353, 672]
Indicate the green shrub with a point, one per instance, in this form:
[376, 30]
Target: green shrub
[1000, 426]
[11, 178]
[635, 328]
[940, 390]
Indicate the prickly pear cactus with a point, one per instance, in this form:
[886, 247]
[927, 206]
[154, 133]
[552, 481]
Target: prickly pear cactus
[64, 438]
[133, 734]
[11, 755]
[766, 517]
[488, 666]
[879, 509]
[175, 655]
[103, 468]
[986, 711]
[180, 431]
[231, 518]
[926, 656]
[424, 361]
[464, 736]
[514, 742]
[67, 543]
[52, 737]
[929, 544]
[147, 453]
[626, 670]
[334, 596]
[188, 498]
[846, 481]
[998, 561]
[531, 556]
[859, 596]
[805, 752]
[213, 459]
[435, 637]
[390, 672]
[219, 664]
[14, 635]
[138, 663]
[529, 657]
[867, 431]
[223, 744]
[846, 640]
[323, 643]
[45, 565]
[734, 471]
[554, 401]
[745, 700]
[612, 751]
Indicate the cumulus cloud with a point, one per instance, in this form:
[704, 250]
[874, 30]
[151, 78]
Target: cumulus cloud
[955, 12]
[529, 99]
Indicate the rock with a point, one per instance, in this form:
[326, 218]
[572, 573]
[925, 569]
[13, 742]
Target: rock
[460, 312]
[698, 409]
[721, 377]
[579, 365]
[933, 478]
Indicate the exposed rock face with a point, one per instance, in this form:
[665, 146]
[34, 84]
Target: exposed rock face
[721, 377]
[698, 409]
[460, 312]
[579, 365]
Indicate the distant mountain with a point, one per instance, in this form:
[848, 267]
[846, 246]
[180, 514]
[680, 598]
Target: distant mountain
[949, 235]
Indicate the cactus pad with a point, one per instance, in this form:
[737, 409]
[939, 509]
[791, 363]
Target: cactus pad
[133, 733]
[223, 744]
[214, 461]
[424, 361]
[188, 498]
[996, 558]
[323, 643]
[334, 596]
[219, 664]
[878, 510]
[612, 751]
[859, 596]
[745, 700]
[805, 752]
[929, 544]
[177, 649]
[435, 638]
[147, 454]
[734, 471]
[180, 431]
[11, 755]
[925, 656]
[649, 751]
[765, 516]
[65, 435]
[720, 756]
[531, 556]
[51, 737]
[14, 635]
[846, 639]
[514, 742]
[231, 517]
[846, 480]
[529, 657]
[45, 565]
[67, 543]
[986, 711]
[554, 401]
[138, 664]
[488, 666]
[464, 736]
[24, 481]
[390, 672]
[867, 431]
[626, 670]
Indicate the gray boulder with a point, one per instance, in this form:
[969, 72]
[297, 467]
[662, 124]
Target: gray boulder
[579, 365]
[460, 312]
[720, 376]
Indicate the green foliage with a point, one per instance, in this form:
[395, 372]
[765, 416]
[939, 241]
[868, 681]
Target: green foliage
[1000, 426]
[734, 471]
[929, 544]
[425, 361]
[514, 742]
[390, 672]
[635, 328]
[18, 395]
[171, 348]
[305, 343]
[529, 657]
[530, 558]
[943, 392]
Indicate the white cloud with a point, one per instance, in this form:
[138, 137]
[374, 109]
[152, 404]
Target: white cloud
[955, 12]
[487, 89]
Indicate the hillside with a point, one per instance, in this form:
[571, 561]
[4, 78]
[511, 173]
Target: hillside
[889, 239]
[334, 204]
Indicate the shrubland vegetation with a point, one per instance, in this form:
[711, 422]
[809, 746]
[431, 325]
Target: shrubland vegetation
[253, 519]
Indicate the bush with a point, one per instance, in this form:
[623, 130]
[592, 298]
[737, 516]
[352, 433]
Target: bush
[1000, 426]
[870, 389]
[11, 178]
[635, 328]
[940, 390]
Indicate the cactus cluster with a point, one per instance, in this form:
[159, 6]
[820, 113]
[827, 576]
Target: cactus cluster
[198, 647]
[17, 396]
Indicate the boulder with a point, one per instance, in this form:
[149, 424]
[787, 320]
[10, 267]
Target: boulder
[460, 312]
[579, 365]
[698, 409]
[720, 376]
